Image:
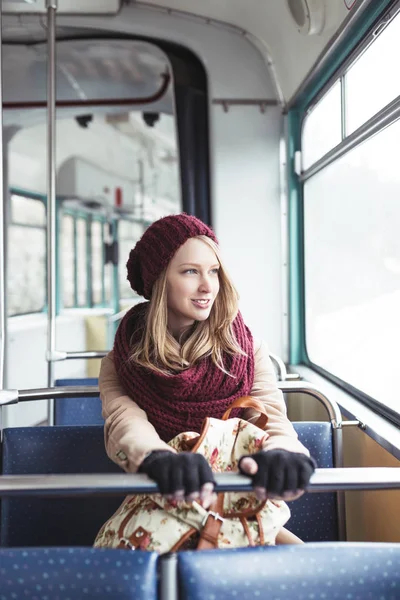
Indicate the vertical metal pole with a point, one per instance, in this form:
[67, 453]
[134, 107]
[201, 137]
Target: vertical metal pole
[51, 6]
[340, 495]
[3, 237]
[169, 577]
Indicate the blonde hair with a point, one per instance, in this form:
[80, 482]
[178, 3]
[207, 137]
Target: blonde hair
[158, 350]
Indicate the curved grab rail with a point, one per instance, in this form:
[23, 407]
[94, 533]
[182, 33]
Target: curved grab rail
[8, 397]
[323, 480]
[304, 387]
[281, 367]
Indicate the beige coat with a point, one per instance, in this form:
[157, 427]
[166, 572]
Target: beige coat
[129, 436]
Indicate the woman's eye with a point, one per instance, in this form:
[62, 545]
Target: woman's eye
[190, 271]
[214, 271]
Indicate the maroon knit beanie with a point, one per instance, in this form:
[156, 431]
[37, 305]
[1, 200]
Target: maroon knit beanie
[157, 246]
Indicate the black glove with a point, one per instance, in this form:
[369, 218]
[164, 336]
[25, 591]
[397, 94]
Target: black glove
[173, 472]
[281, 471]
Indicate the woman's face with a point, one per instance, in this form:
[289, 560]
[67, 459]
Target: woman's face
[192, 284]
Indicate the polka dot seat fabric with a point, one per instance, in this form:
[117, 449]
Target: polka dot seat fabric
[77, 573]
[31, 521]
[78, 411]
[314, 516]
[76, 521]
[328, 571]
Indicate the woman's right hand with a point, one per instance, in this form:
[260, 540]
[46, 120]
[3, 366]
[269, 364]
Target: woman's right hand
[184, 476]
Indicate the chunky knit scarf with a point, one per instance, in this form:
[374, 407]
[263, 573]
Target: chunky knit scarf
[180, 402]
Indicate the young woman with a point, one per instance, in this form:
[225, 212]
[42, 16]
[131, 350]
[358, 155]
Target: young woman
[185, 355]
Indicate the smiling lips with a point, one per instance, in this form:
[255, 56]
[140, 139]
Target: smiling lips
[201, 303]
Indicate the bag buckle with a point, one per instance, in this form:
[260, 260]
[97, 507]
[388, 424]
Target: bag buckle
[127, 543]
[214, 515]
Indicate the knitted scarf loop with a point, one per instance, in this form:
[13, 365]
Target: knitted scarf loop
[180, 402]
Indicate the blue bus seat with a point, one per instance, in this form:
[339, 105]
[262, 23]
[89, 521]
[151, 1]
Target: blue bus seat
[31, 521]
[314, 516]
[357, 570]
[75, 521]
[77, 411]
[67, 573]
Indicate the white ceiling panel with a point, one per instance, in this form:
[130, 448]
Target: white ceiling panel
[271, 22]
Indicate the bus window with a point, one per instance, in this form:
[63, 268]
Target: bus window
[128, 234]
[373, 81]
[118, 165]
[96, 239]
[81, 261]
[352, 267]
[322, 127]
[26, 256]
[67, 273]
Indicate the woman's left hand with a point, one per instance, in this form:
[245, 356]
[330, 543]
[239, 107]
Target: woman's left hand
[278, 473]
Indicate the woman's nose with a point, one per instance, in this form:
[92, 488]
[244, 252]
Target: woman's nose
[205, 285]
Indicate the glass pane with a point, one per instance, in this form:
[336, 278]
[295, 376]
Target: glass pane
[128, 233]
[26, 270]
[27, 211]
[67, 261]
[97, 262]
[322, 129]
[81, 261]
[374, 80]
[88, 69]
[352, 267]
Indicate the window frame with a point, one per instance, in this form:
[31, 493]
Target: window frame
[88, 218]
[340, 74]
[12, 191]
[296, 120]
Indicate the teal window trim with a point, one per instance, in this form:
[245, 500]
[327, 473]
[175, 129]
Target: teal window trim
[296, 245]
[27, 194]
[355, 35]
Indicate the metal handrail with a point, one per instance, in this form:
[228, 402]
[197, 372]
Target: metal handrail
[299, 387]
[58, 355]
[304, 387]
[8, 397]
[282, 371]
[323, 480]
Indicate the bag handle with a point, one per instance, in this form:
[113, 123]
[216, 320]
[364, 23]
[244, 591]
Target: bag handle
[249, 402]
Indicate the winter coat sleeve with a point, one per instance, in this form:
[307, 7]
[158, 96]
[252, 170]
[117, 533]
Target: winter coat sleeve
[281, 432]
[128, 434]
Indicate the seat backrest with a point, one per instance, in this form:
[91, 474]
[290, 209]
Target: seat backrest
[314, 516]
[67, 573]
[46, 450]
[31, 521]
[77, 411]
[324, 570]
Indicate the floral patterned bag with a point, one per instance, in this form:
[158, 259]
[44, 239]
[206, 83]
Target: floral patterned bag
[150, 522]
